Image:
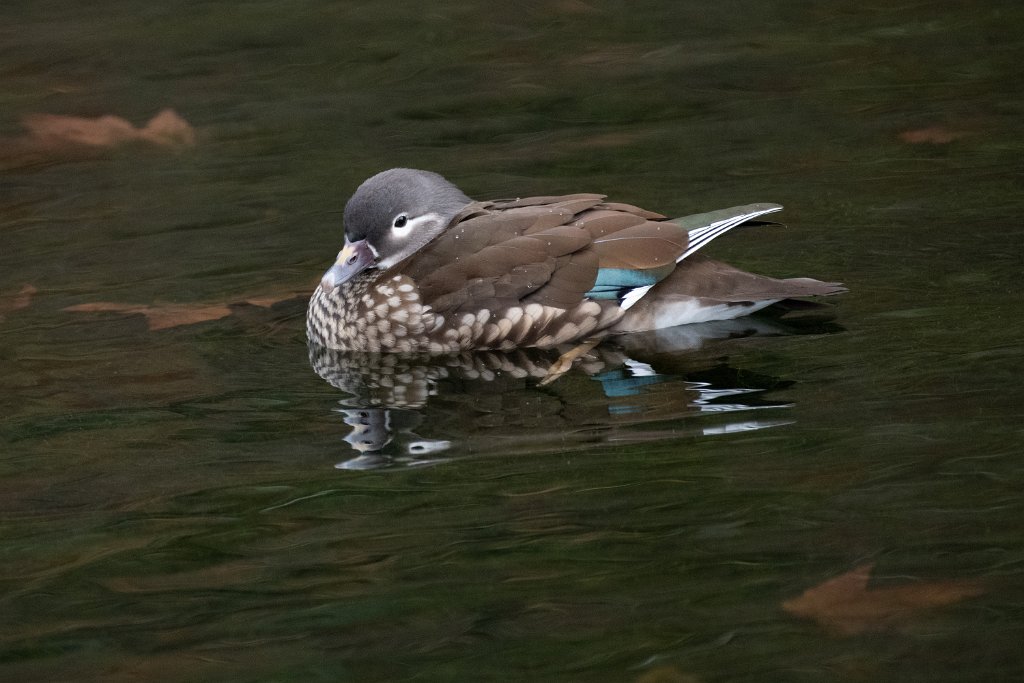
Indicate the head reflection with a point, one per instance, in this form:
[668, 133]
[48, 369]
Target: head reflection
[374, 430]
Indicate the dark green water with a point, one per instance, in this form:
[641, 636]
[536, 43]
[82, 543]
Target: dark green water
[181, 504]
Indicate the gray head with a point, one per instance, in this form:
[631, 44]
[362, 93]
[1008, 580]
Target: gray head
[390, 217]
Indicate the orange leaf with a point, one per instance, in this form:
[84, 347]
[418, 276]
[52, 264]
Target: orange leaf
[50, 131]
[164, 316]
[270, 300]
[846, 606]
[932, 135]
[16, 302]
[160, 317]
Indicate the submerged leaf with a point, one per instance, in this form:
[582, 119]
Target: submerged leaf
[932, 135]
[846, 605]
[166, 129]
[51, 138]
[160, 317]
[16, 302]
[164, 316]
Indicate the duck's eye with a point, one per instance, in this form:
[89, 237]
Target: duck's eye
[401, 220]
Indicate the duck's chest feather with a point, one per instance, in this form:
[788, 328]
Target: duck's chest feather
[371, 313]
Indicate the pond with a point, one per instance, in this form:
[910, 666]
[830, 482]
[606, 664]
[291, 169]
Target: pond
[188, 493]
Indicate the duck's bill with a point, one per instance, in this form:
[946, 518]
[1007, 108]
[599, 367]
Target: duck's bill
[354, 258]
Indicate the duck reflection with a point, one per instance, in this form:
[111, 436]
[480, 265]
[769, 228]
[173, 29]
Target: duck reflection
[412, 410]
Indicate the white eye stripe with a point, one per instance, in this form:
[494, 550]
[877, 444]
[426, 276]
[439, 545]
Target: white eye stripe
[404, 241]
[411, 224]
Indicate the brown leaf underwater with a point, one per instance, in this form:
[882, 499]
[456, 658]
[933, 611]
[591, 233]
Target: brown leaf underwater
[166, 316]
[159, 317]
[846, 606]
[166, 129]
[16, 302]
[53, 138]
[931, 135]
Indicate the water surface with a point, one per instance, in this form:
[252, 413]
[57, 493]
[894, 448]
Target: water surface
[182, 497]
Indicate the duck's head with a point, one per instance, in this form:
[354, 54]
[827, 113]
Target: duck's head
[390, 217]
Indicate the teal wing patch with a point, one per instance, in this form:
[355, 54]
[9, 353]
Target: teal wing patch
[614, 283]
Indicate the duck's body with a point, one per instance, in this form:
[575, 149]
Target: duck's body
[426, 269]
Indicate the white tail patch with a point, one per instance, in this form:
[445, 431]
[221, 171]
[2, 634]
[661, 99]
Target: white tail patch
[686, 311]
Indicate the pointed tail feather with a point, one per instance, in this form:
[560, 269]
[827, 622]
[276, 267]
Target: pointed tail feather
[704, 227]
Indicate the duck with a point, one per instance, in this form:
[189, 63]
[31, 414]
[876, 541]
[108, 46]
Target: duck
[426, 269]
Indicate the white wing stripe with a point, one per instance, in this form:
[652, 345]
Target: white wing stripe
[698, 237]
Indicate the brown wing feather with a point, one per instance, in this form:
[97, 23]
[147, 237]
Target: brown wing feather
[625, 240]
[466, 237]
[650, 245]
[504, 204]
[603, 222]
[508, 265]
[629, 208]
[573, 276]
[543, 250]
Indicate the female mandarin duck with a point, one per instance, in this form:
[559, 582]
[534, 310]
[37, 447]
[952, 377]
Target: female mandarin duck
[426, 269]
